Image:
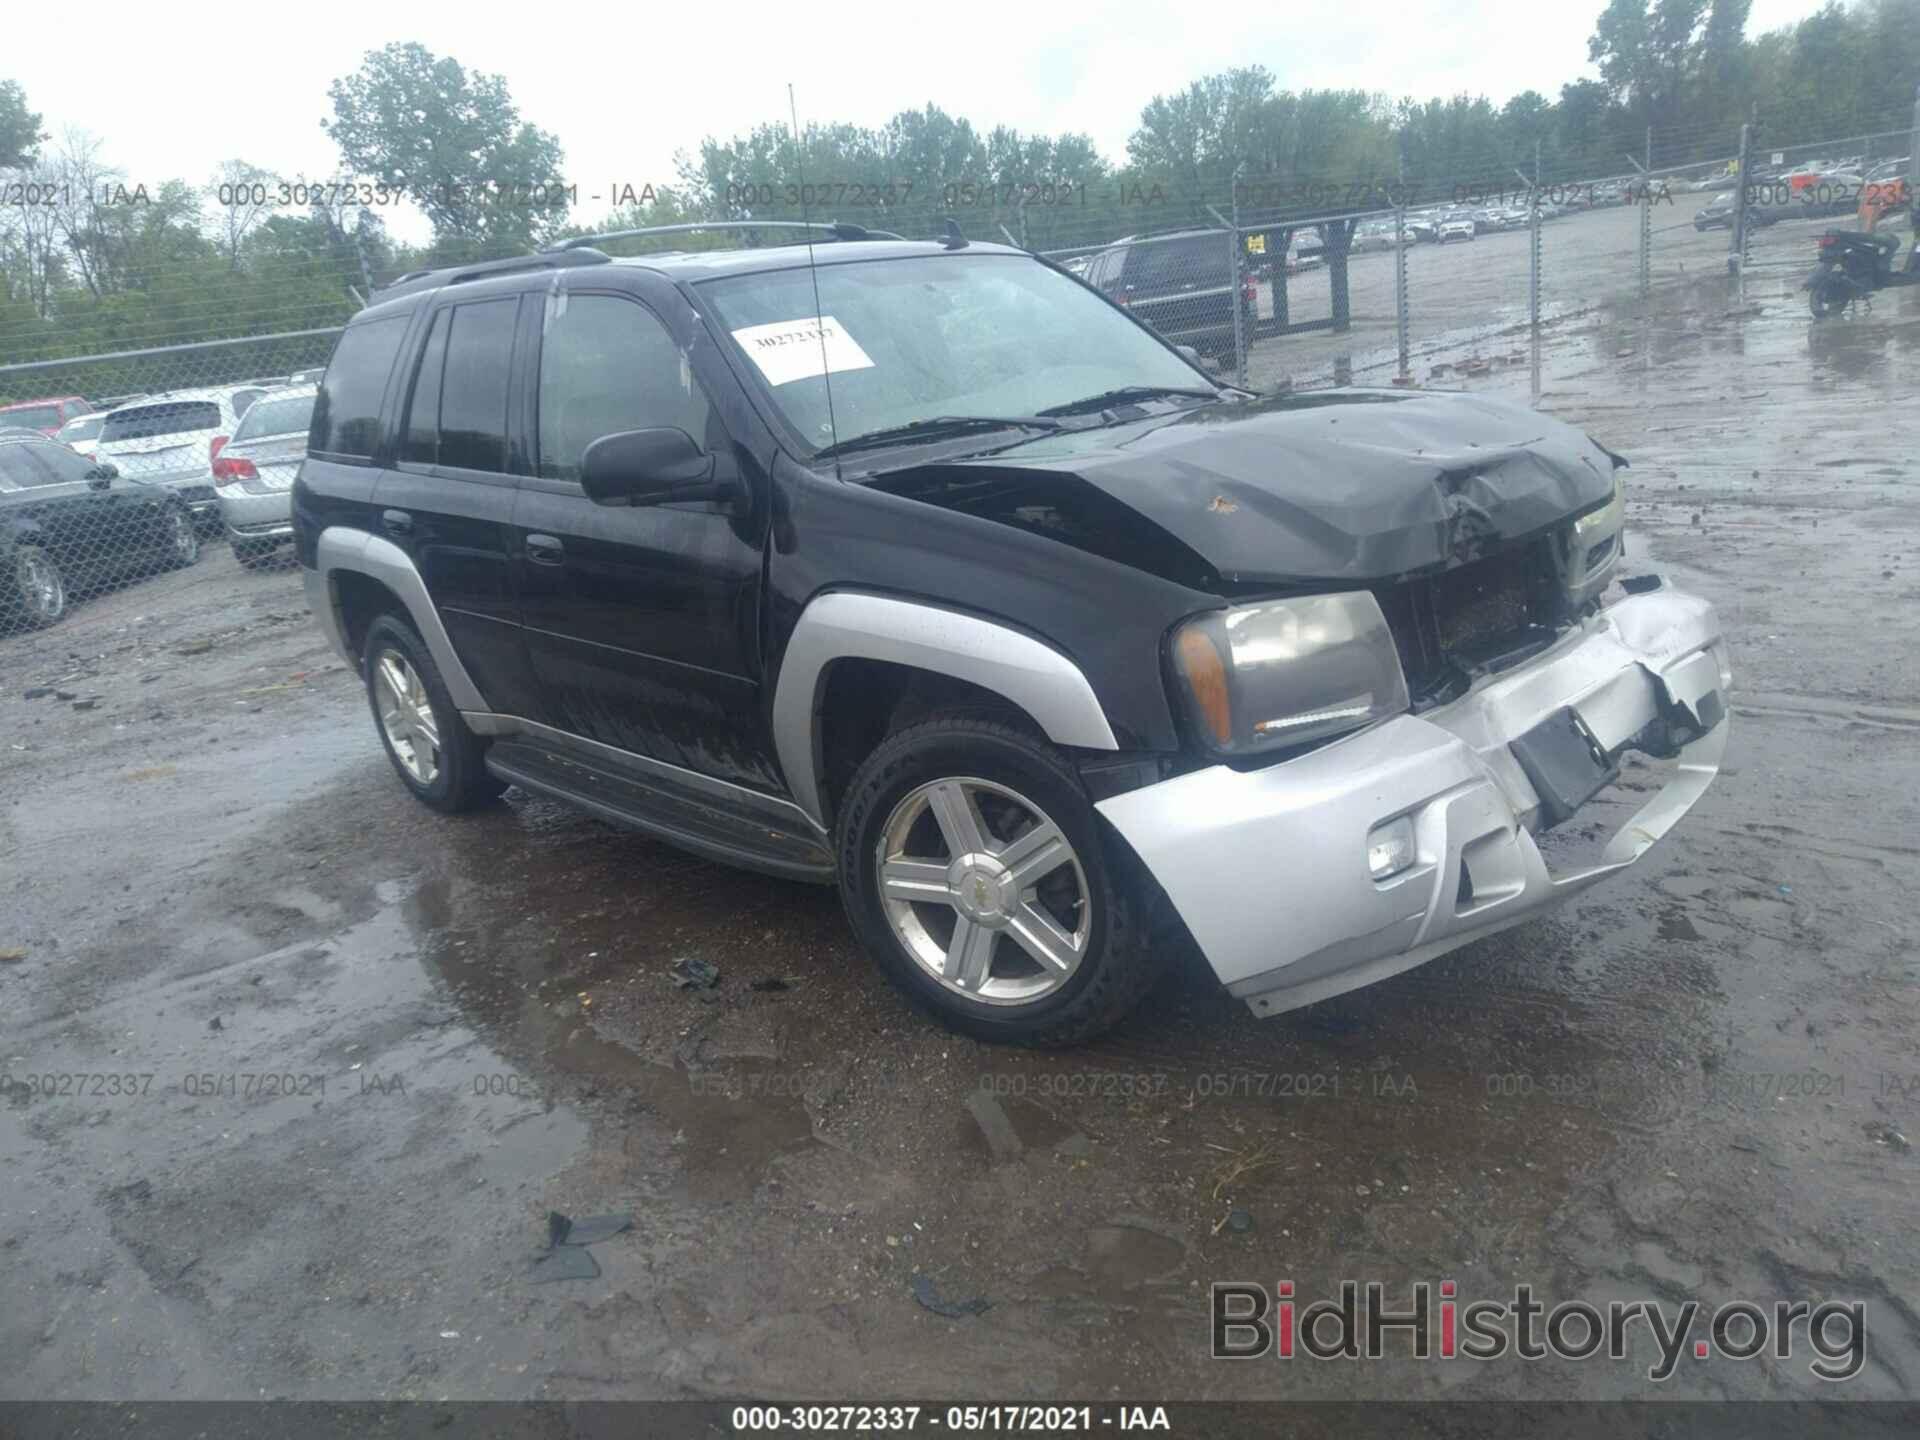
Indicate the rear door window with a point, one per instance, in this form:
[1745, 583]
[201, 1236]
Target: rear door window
[473, 390]
[346, 416]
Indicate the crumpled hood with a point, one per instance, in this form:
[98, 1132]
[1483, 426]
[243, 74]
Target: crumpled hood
[1350, 485]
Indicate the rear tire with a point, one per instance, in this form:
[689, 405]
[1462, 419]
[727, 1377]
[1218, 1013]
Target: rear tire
[253, 556]
[39, 590]
[1828, 296]
[182, 539]
[433, 752]
[1049, 948]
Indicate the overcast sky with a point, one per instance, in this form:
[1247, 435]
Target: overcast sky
[174, 90]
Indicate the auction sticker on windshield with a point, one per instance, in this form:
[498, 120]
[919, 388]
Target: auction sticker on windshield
[790, 350]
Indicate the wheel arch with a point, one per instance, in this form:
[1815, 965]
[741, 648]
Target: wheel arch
[356, 577]
[847, 641]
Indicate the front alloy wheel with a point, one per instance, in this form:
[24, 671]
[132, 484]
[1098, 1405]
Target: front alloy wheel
[976, 874]
[984, 891]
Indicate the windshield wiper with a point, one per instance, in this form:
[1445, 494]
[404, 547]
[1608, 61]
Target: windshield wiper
[937, 427]
[1128, 392]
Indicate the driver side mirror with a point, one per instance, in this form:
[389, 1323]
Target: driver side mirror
[648, 467]
[102, 475]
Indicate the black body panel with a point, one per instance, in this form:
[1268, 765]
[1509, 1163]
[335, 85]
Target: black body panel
[1104, 616]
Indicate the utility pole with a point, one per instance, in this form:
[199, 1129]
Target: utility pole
[1646, 220]
[1400, 270]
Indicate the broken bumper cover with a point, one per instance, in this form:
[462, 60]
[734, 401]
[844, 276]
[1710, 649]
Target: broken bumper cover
[1269, 868]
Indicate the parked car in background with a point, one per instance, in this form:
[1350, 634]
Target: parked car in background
[1180, 283]
[82, 433]
[46, 416]
[68, 523]
[1371, 235]
[173, 440]
[1457, 226]
[1768, 206]
[253, 475]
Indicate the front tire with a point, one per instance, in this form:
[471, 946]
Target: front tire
[975, 873]
[433, 752]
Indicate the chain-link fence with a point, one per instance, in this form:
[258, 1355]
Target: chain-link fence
[126, 450]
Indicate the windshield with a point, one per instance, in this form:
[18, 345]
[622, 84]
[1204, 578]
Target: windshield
[277, 417]
[172, 417]
[911, 339]
[31, 417]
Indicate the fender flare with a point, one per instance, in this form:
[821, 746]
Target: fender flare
[341, 547]
[848, 625]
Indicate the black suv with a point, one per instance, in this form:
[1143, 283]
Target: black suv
[924, 569]
[1181, 284]
[68, 523]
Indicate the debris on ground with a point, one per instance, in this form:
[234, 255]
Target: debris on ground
[691, 974]
[214, 1024]
[589, 1230]
[566, 1257]
[771, 985]
[931, 1299]
[13, 955]
[35, 692]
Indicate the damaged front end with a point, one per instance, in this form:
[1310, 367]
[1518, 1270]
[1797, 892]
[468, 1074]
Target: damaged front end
[1376, 852]
[1411, 681]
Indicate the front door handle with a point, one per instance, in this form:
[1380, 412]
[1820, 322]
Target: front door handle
[397, 522]
[545, 550]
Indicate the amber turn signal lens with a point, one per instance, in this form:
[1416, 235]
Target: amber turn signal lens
[1206, 676]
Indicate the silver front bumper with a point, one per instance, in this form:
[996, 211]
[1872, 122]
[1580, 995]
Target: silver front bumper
[1268, 868]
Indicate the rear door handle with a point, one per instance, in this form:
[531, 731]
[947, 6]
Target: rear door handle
[397, 522]
[545, 550]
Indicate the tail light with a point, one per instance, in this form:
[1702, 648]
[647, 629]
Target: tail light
[1249, 291]
[233, 467]
[215, 446]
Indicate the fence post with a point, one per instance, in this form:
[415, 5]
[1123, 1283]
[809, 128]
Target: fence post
[1400, 281]
[1646, 221]
[1913, 172]
[1533, 271]
[1737, 241]
[1238, 247]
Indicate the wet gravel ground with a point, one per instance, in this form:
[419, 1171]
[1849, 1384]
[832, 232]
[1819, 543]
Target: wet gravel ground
[352, 1053]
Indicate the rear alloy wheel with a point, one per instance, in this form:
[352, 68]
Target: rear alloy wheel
[436, 756]
[182, 540]
[976, 873]
[41, 590]
[1828, 296]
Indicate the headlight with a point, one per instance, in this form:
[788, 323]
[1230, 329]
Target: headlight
[1264, 677]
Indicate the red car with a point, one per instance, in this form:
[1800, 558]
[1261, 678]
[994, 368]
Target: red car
[46, 416]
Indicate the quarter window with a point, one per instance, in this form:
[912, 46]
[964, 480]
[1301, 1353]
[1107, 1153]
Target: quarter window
[346, 417]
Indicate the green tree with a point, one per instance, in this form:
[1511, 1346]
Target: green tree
[453, 141]
[20, 133]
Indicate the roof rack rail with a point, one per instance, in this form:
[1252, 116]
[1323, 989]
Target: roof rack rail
[457, 274]
[839, 230]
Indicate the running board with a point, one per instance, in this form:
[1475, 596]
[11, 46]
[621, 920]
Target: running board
[657, 806]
